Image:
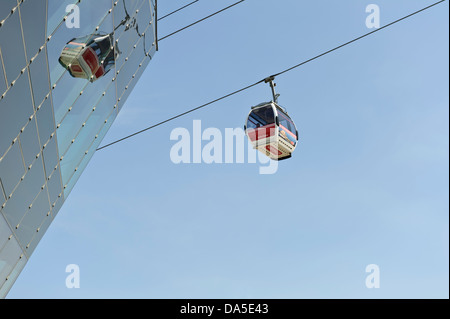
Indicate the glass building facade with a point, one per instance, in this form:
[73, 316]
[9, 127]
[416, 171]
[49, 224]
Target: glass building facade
[66, 70]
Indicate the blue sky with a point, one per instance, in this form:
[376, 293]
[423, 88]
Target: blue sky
[368, 183]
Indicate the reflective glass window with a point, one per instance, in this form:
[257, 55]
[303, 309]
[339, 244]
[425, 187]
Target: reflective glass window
[71, 42]
[124, 10]
[9, 256]
[50, 156]
[16, 107]
[285, 120]
[74, 52]
[54, 185]
[88, 155]
[81, 109]
[87, 134]
[287, 127]
[5, 232]
[56, 13]
[150, 45]
[24, 193]
[45, 121]
[144, 22]
[29, 142]
[65, 94]
[134, 78]
[33, 15]
[11, 45]
[38, 233]
[136, 25]
[261, 116]
[56, 206]
[5, 8]
[33, 218]
[40, 82]
[130, 68]
[13, 276]
[11, 168]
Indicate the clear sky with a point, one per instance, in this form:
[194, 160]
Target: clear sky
[368, 183]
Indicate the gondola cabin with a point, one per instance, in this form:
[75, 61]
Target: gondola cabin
[89, 57]
[271, 131]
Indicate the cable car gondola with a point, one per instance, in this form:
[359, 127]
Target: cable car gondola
[89, 57]
[93, 56]
[270, 129]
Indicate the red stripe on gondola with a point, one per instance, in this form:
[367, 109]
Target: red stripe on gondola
[76, 68]
[261, 132]
[273, 150]
[100, 72]
[91, 59]
[77, 44]
[285, 129]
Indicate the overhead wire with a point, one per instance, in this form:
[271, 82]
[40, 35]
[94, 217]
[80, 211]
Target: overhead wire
[359, 38]
[201, 20]
[177, 10]
[180, 115]
[270, 77]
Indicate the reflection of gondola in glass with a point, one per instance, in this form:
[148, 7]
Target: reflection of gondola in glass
[89, 57]
[270, 129]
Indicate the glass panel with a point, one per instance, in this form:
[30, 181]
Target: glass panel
[81, 109]
[24, 194]
[134, 27]
[65, 93]
[260, 123]
[261, 116]
[124, 10]
[9, 256]
[11, 45]
[92, 14]
[89, 154]
[130, 68]
[133, 82]
[50, 155]
[12, 277]
[89, 57]
[125, 45]
[11, 169]
[29, 142]
[39, 78]
[5, 8]
[285, 120]
[85, 57]
[54, 185]
[34, 217]
[56, 13]
[144, 23]
[16, 107]
[150, 45]
[5, 232]
[38, 233]
[45, 121]
[287, 127]
[87, 134]
[57, 206]
[33, 15]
